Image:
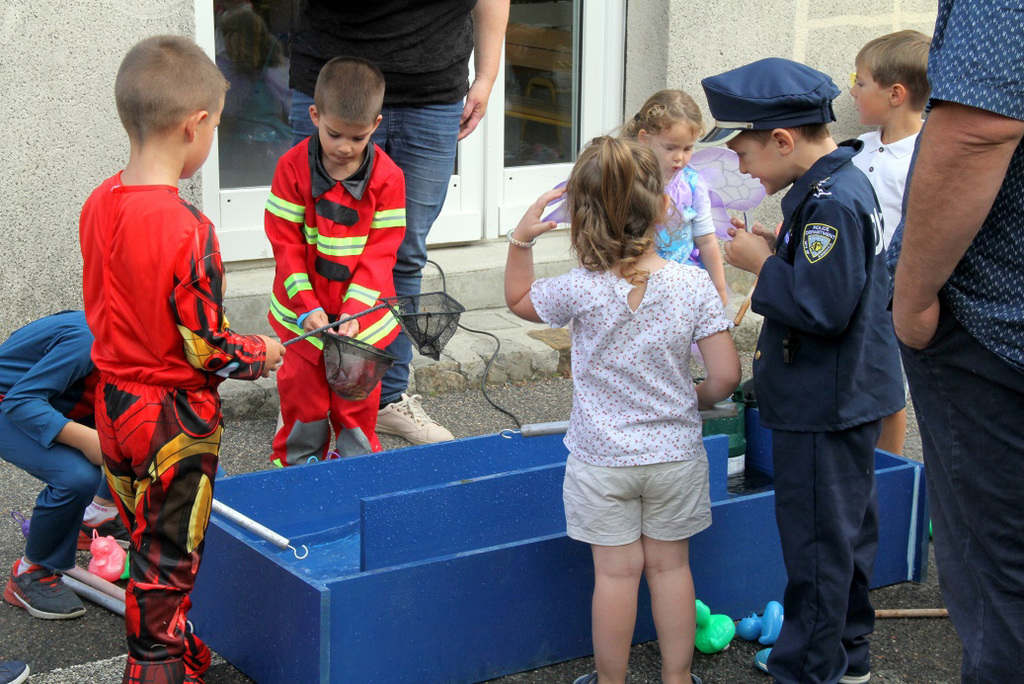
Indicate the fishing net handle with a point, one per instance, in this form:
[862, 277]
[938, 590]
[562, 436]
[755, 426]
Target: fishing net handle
[336, 323]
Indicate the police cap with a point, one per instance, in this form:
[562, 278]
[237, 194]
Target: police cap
[766, 94]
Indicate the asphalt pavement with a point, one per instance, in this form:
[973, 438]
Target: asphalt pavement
[91, 649]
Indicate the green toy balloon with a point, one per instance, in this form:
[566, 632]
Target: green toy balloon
[127, 559]
[714, 632]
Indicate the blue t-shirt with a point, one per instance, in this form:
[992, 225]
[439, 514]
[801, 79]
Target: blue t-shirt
[975, 60]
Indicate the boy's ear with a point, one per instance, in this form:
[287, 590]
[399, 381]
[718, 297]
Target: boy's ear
[380, 117]
[314, 116]
[783, 140]
[192, 123]
[897, 94]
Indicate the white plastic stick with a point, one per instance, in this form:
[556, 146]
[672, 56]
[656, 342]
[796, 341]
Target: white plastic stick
[95, 595]
[96, 582]
[251, 525]
[540, 429]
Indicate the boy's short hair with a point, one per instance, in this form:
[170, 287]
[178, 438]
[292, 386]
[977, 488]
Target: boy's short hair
[161, 81]
[809, 132]
[351, 89]
[900, 57]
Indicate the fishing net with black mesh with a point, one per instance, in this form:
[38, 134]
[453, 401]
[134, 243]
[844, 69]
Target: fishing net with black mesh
[429, 319]
[354, 368]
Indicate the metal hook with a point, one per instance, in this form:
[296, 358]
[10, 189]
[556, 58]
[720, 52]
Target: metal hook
[296, 551]
[508, 432]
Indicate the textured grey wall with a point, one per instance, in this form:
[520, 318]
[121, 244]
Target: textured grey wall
[61, 136]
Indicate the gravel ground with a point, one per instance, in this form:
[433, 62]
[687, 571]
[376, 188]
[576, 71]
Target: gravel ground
[904, 650]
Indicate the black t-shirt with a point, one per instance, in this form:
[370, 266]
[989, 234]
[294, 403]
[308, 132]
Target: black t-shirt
[421, 46]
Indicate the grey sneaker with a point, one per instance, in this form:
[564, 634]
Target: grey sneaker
[43, 595]
[408, 420]
[850, 678]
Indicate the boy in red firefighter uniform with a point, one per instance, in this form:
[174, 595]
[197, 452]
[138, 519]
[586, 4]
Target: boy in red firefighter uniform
[335, 218]
[153, 289]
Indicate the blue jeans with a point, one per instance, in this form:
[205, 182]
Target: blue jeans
[71, 483]
[422, 140]
[968, 403]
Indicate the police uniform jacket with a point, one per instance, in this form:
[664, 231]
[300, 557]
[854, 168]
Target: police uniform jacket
[827, 357]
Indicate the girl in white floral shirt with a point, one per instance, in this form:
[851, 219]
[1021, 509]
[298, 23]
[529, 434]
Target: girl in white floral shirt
[636, 482]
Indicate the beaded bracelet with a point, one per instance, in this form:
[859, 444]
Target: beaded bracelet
[519, 243]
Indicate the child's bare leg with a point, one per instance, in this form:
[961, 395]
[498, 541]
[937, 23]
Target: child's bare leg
[894, 432]
[617, 571]
[667, 568]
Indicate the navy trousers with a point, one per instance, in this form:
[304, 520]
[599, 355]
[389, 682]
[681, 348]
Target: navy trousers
[826, 507]
[970, 408]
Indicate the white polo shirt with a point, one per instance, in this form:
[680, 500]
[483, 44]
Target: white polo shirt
[886, 166]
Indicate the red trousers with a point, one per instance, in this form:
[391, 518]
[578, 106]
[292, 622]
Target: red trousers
[160, 447]
[310, 411]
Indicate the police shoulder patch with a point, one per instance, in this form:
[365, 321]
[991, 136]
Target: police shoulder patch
[819, 239]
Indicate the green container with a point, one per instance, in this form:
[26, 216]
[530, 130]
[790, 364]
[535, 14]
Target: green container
[726, 418]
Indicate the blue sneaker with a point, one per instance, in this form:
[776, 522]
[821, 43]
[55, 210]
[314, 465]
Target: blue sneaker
[761, 659]
[13, 672]
[587, 679]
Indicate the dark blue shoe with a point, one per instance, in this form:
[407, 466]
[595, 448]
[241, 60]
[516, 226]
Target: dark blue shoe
[13, 672]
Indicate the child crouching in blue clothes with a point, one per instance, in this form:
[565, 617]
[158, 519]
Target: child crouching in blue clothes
[636, 482]
[47, 383]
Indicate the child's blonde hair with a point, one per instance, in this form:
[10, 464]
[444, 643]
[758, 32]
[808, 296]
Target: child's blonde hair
[161, 81]
[663, 110]
[900, 57]
[615, 195]
[350, 88]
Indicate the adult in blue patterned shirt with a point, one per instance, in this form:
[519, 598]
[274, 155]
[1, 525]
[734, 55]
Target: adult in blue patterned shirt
[958, 309]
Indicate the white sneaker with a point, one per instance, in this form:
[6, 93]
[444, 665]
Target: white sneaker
[408, 420]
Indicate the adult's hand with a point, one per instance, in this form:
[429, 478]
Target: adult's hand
[476, 105]
[915, 328]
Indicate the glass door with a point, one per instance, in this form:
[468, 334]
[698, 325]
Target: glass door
[563, 80]
[563, 86]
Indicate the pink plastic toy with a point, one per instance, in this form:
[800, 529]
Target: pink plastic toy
[108, 558]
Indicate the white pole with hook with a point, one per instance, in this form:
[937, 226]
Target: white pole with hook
[259, 530]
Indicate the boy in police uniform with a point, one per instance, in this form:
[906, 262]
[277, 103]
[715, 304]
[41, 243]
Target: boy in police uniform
[826, 368]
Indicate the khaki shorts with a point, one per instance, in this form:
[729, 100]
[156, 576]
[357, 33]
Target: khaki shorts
[614, 506]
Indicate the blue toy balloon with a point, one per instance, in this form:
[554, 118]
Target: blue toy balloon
[749, 628]
[771, 623]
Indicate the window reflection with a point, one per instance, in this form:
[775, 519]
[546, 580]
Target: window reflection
[254, 129]
[539, 90]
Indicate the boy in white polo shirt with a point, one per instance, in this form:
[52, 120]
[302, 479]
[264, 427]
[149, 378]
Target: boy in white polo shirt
[890, 90]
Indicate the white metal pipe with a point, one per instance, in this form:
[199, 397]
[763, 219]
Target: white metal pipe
[95, 595]
[251, 525]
